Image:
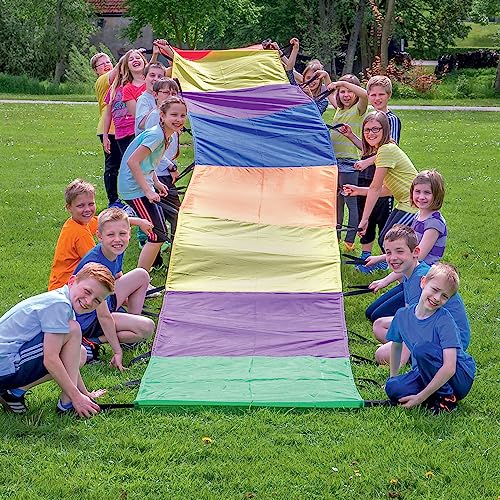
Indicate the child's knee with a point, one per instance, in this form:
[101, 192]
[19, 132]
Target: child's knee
[75, 330]
[383, 354]
[147, 328]
[141, 276]
[393, 389]
[83, 356]
[380, 329]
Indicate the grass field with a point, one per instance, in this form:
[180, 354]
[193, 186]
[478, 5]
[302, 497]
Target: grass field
[481, 36]
[254, 453]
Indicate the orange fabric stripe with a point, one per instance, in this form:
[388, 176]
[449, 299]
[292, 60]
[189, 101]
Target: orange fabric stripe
[278, 196]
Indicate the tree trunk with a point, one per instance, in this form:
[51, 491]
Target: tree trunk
[59, 69]
[386, 34]
[363, 48]
[353, 39]
[497, 79]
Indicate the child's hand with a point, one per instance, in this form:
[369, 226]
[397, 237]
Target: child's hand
[294, 41]
[362, 165]
[152, 196]
[411, 401]
[350, 190]
[274, 45]
[97, 393]
[332, 86]
[346, 130]
[174, 174]
[374, 259]
[84, 406]
[145, 225]
[362, 226]
[162, 189]
[307, 91]
[117, 361]
[106, 144]
[376, 285]
[321, 73]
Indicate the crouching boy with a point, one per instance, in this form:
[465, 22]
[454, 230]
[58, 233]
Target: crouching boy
[40, 340]
[442, 372]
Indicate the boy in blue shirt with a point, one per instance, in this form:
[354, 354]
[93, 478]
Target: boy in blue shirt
[442, 372]
[107, 323]
[402, 257]
[40, 340]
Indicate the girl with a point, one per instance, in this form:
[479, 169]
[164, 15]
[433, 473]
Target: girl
[137, 178]
[134, 81]
[394, 173]
[118, 112]
[314, 69]
[351, 101]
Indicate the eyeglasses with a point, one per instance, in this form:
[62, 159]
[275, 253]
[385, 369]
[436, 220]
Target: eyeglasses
[373, 130]
[102, 64]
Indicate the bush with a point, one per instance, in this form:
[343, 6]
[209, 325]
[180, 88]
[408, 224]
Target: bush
[10, 84]
[79, 70]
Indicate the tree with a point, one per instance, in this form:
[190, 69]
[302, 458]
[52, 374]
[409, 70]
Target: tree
[353, 39]
[185, 22]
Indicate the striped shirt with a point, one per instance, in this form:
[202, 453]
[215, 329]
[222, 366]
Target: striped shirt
[395, 125]
[400, 174]
[342, 146]
[434, 221]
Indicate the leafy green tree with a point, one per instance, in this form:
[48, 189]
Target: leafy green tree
[185, 22]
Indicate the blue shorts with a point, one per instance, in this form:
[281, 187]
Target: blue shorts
[29, 367]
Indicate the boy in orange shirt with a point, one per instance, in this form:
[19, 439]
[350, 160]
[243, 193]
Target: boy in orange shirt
[77, 234]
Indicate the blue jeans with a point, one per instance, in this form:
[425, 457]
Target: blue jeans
[387, 304]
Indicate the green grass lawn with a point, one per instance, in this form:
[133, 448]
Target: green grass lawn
[481, 36]
[255, 453]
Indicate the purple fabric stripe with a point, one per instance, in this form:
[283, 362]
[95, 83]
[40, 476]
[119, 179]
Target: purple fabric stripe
[246, 103]
[251, 324]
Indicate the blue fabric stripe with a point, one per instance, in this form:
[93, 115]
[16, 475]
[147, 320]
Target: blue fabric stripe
[295, 137]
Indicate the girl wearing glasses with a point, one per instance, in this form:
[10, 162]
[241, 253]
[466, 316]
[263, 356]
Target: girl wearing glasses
[394, 174]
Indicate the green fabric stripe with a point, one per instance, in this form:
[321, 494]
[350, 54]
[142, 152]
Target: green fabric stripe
[302, 381]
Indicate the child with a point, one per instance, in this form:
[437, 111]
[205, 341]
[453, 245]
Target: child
[166, 169]
[427, 194]
[77, 234]
[107, 324]
[146, 101]
[40, 340]
[133, 81]
[394, 173]
[137, 178]
[403, 255]
[351, 102]
[106, 74]
[313, 73]
[379, 90]
[442, 372]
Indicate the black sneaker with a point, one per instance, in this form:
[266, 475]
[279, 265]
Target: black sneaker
[445, 404]
[13, 404]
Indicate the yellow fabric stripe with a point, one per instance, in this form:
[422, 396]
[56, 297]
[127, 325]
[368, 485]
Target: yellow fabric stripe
[229, 69]
[217, 255]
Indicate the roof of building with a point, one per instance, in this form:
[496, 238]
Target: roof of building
[104, 7]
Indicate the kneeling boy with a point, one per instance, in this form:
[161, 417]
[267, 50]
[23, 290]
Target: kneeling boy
[40, 340]
[442, 372]
[106, 323]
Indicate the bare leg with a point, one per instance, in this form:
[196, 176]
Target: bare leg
[383, 354]
[71, 355]
[381, 327]
[133, 328]
[148, 255]
[131, 287]
[367, 247]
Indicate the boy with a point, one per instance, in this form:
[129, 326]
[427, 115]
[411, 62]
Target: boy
[146, 101]
[442, 373]
[106, 323]
[402, 252]
[40, 340]
[77, 234]
[103, 67]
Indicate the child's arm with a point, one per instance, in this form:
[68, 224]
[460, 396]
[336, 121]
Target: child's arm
[364, 164]
[109, 329]
[131, 106]
[144, 224]
[52, 347]
[290, 61]
[377, 285]
[162, 189]
[427, 243]
[347, 131]
[106, 145]
[375, 259]
[442, 376]
[396, 348]
[134, 163]
[164, 47]
[360, 92]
